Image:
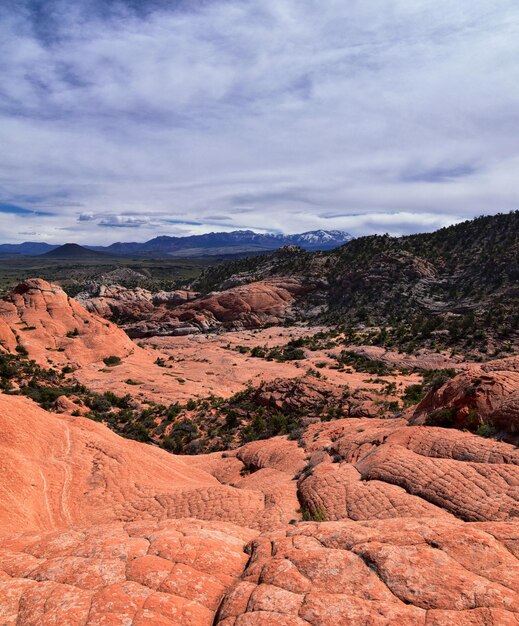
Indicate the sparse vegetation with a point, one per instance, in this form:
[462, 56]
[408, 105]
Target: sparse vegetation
[292, 351]
[363, 364]
[112, 361]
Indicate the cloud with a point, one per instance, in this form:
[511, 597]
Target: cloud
[123, 221]
[438, 174]
[21, 211]
[285, 116]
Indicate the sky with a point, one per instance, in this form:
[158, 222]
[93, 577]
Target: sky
[121, 120]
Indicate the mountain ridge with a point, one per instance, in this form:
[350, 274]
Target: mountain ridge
[214, 243]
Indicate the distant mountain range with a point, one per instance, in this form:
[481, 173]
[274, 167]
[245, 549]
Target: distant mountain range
[210, 244]
[28, 248]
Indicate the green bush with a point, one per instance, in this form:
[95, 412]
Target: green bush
[446, 418]
[413, 394]
[111, 361]
[314, 514]
[485, 430]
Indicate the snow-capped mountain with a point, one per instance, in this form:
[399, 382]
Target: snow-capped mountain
[235, 242]
[320, 238]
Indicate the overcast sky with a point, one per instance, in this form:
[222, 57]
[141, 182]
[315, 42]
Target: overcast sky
[122, 120]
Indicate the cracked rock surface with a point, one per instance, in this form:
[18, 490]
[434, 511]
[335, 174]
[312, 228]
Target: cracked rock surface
[411, 525]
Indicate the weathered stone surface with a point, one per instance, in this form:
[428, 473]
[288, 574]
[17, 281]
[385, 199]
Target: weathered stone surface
[169, 573]
[472, 478]
[475, 397]
[398, 571]
[254, 305]
[54, 328]
[114, 301]
[61, 471]
[334, 492]
[399, 552]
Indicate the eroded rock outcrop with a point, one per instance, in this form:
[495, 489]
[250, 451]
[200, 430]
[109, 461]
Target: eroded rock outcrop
[171, 573]
[487, 395]
[399, 572]
[128, 305]
[54, 328]
[254, 305]
[62, 471]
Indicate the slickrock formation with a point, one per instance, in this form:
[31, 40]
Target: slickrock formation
[361, 521]
[423, 359]
[509, 364]
[480, 395]
[116, 301]
[295, 394]
[59, 471]
[100, 545]
[403, 572]
[374, 469]
[8, 341]
[254, 305]
[52, 326]
[63, 471]
[129, 305]
[170, 573]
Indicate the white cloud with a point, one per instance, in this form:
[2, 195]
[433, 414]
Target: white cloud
[123, 221]
[281, 115]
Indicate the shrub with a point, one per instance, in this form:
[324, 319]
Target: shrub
[485, 430]
[446, 418]
[111, 361]
[413, 394]
[363, 364]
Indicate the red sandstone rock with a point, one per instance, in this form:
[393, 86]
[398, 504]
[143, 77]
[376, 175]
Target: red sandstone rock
[474, 397]
[470, 477]
[130, 305]
[253, 305]
[61, 471]
[54, 328]
[8, 341]
[398, 572]
[169, 573]
[400, 552]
